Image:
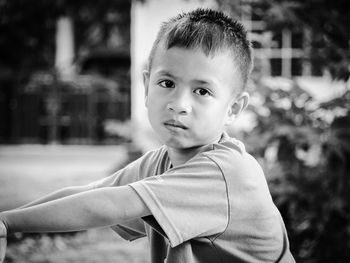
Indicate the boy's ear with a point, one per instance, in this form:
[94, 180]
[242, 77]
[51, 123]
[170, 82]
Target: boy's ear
[237, 106]
[145, 75]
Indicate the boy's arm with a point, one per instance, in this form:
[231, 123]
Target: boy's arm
[58, 194]
[95, 208]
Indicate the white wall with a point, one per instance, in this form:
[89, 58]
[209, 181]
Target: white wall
[145, 21]
[64, 47]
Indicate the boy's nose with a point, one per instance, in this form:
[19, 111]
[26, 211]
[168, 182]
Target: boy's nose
[180, 104]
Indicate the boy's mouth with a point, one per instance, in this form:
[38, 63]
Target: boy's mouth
[175, 124]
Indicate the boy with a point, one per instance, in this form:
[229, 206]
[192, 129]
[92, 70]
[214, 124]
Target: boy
[199, 198]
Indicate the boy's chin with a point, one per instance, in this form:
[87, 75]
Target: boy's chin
[185, 145]
[179, 144]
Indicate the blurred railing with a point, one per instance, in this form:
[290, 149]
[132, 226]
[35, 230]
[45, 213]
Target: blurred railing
[74, 112]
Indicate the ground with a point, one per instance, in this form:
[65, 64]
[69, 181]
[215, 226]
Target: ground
[30, 171]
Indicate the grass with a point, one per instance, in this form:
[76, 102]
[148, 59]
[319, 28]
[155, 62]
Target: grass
[96, 245]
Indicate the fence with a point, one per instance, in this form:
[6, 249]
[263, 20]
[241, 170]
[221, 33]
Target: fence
[64, 112]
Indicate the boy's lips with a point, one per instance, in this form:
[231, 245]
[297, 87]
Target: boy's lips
[175, 124]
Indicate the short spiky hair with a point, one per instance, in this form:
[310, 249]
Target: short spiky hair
[210, 30]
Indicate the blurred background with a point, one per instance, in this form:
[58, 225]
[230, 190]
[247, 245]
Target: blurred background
[72, 111]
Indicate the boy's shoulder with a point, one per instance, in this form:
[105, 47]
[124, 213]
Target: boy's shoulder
[230, 143]
[227, 147]
[230, 154]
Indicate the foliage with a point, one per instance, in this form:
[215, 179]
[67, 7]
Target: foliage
[28, 47]
[325, 21]
[305, 145]
[27, 39]
[329, 38]
[306, 155]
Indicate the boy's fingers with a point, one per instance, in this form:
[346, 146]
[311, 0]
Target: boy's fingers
[3, 245]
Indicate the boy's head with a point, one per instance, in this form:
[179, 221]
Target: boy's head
[212, 32]
[198, 68]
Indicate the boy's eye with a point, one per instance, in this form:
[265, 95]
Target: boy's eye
[168, 84]
[202, 92]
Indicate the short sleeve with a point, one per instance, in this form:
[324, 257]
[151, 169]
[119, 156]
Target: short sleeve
[135, 171]
[187, 201]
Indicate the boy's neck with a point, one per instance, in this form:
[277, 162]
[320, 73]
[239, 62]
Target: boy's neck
[181, 156]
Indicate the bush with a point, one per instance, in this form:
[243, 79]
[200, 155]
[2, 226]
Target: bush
[304, 147]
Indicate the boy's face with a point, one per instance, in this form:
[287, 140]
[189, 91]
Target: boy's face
[190, 96]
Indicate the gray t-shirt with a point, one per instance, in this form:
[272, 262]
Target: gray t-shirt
[214, 208]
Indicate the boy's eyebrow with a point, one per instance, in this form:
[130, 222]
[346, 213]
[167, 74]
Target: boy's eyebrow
[165, 73]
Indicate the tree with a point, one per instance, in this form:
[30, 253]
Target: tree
[305, 152]
[304, 145]
[27, 40]
[27, 43]
[326, 21]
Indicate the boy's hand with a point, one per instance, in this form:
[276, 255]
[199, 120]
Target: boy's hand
[3, 241]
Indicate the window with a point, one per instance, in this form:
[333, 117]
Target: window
[297, 66]
[279, 53]
[276, 66]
